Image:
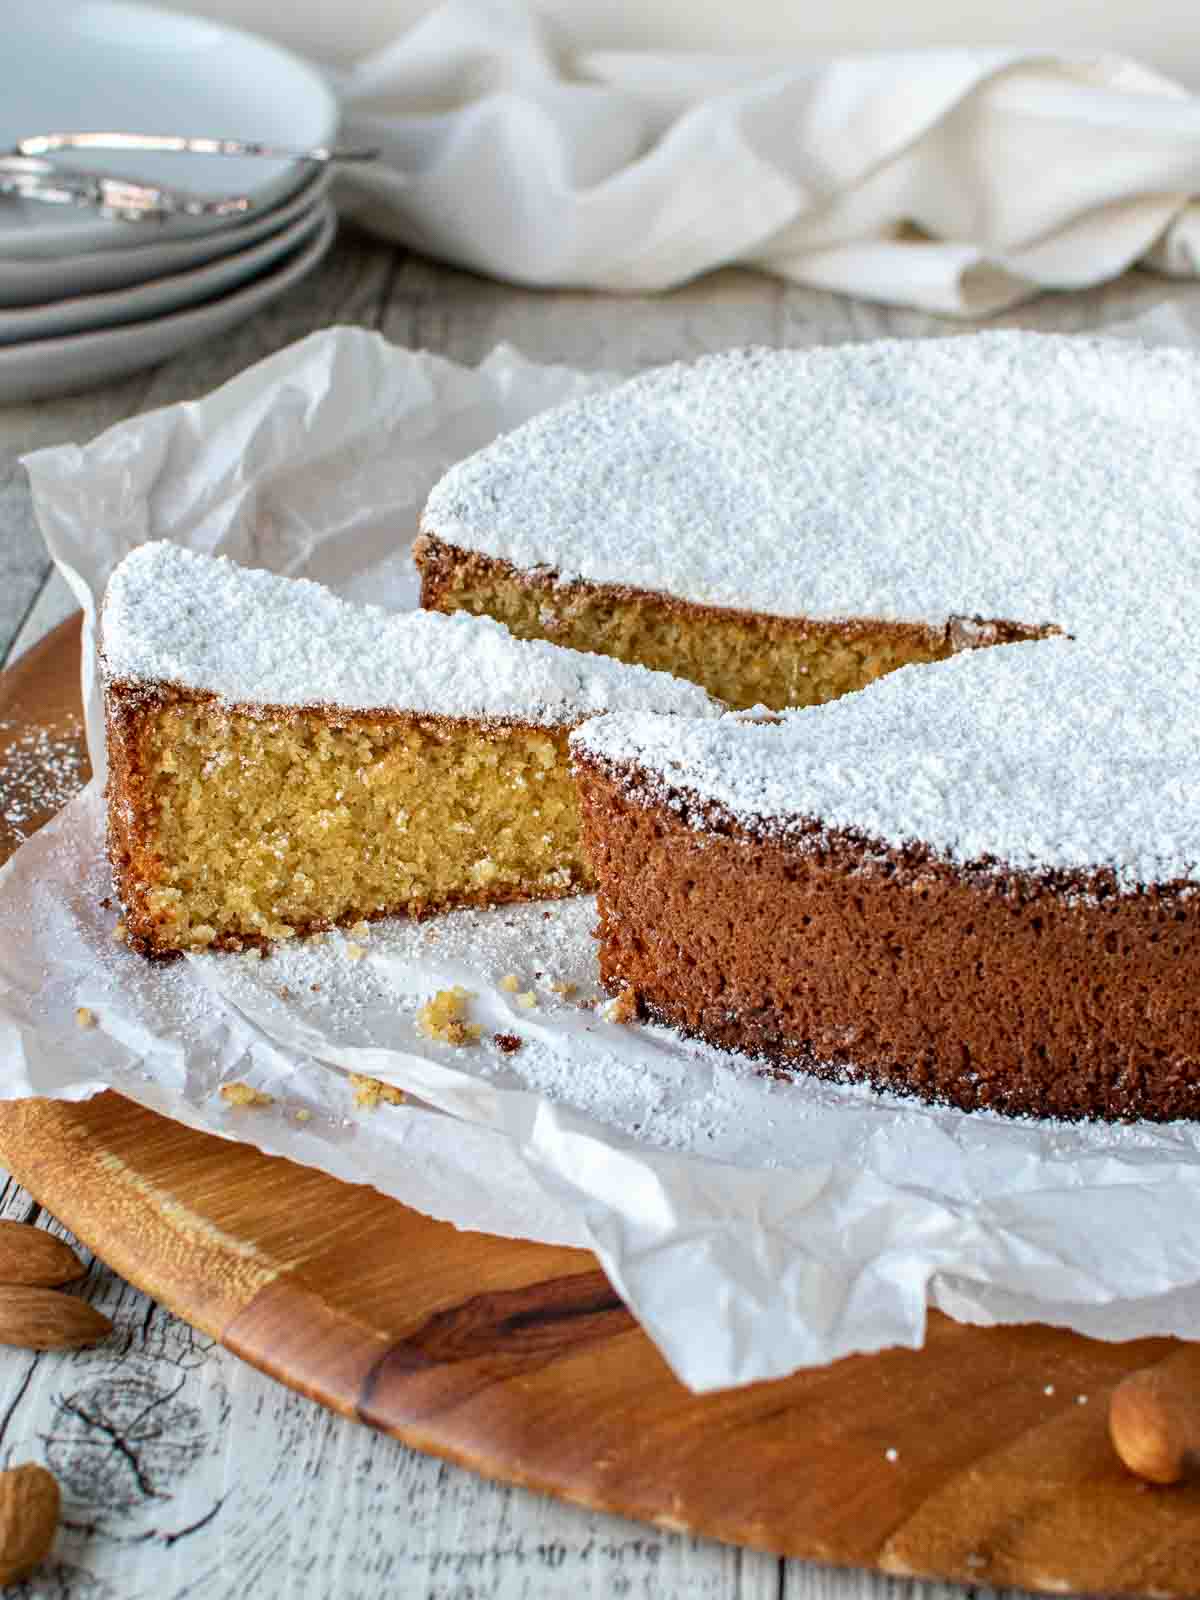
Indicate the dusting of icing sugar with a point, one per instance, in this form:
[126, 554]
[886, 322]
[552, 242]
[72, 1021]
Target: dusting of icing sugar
[644, 1082]
[1045, 755]
[1042, 480]
[252, 638]
[40, 770]
[1009, 475]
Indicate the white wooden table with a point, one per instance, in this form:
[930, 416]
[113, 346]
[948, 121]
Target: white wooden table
[184, 1472]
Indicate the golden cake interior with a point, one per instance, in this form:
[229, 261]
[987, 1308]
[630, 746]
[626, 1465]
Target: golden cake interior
[741, 657]
[264, 825]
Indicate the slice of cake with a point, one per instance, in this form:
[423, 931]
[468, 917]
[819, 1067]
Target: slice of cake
[282, 761]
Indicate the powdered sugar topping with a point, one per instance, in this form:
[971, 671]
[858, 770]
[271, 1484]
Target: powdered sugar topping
[1038, 755]
[1005, 475]
[253, 638]
[1040, 480]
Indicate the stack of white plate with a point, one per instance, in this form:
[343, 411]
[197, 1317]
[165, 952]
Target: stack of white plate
[84, 299]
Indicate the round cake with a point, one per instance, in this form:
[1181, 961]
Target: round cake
[978, 879]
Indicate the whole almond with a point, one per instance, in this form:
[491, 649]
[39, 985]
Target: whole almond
[43, 1319]
[31, 1255]
[1154, 1423]
[29, 1501]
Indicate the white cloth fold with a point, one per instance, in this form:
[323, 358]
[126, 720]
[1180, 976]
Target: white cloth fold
[956, 181]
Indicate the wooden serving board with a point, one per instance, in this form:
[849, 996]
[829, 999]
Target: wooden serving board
[982, 1458]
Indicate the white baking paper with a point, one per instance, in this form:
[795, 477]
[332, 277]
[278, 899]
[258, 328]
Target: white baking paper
[753, 1226]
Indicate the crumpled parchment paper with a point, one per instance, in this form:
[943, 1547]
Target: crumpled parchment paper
[753, 1226]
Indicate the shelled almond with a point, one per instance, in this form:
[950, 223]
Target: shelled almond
[43, 1319]
[29, 1501]
[1154, 1420]
[32, 1256]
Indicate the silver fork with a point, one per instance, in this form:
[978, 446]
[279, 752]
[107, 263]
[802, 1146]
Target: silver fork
[115, 198]
[43, 144]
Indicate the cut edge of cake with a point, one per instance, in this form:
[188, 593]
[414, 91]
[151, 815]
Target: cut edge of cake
[267, 779]
[742, 657]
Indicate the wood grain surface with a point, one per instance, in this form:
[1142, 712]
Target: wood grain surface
[983, 1458]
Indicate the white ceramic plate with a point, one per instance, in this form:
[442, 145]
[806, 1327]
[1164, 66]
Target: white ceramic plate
[77, 65]
[44, 367]
[84, 312]
[36, 282]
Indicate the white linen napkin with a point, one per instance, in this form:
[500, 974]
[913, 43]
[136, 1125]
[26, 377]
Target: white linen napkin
[958, 181]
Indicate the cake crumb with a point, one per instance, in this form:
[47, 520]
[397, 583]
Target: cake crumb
[119, 932]
[443, 1018]
[252, 955]
[371, 1092]
[511, 983]
[303, 1115]
[528, 1000]
[623, 1008]
[85, 1017]
[361, 929]
[566, 990]
[508, 1042]
[463, 1032]
[244, 1094]
[354, 952]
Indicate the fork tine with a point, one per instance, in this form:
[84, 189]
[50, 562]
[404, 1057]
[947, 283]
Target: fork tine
[41, 144]
[119, 199]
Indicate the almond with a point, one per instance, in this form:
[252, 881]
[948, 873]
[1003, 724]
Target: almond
[29, 1501]
[43, 1319]
[31, 1255]
[1154, 1422]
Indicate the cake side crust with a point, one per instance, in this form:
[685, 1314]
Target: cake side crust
[1052, 995]
[744, 658]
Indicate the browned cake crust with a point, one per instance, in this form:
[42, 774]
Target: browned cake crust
[1050, 996]
[744, 658]
[136, 792]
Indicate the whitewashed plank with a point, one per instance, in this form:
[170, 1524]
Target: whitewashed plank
[804, 1581]
[23, 561]
[186, 1473]
[807, 316]
[54, 604]
[1093, 309]
[435, 1530]
[17, 1204]
[465, 317]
